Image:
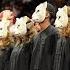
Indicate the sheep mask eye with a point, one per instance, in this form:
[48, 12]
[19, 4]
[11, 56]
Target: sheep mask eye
[3, 30]
[40, 12]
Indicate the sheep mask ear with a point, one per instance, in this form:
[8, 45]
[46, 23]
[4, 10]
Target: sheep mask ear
[65, 9]
[19, 28]
[61, 17]
[40, 12]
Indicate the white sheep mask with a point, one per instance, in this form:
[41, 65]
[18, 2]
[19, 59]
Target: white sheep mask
[7, 17]
[61, 17]
[3, 30]
[40, 12]
[19, 28]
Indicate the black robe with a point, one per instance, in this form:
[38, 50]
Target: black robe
[5, 57]
[44, 49]
[20, 57]
[62, 55]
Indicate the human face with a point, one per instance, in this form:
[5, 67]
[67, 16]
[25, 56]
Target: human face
[37, 27]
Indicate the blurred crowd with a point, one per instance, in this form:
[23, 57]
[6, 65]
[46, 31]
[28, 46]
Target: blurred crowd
[27, 7]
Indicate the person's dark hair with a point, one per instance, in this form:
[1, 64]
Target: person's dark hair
[52, 12]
